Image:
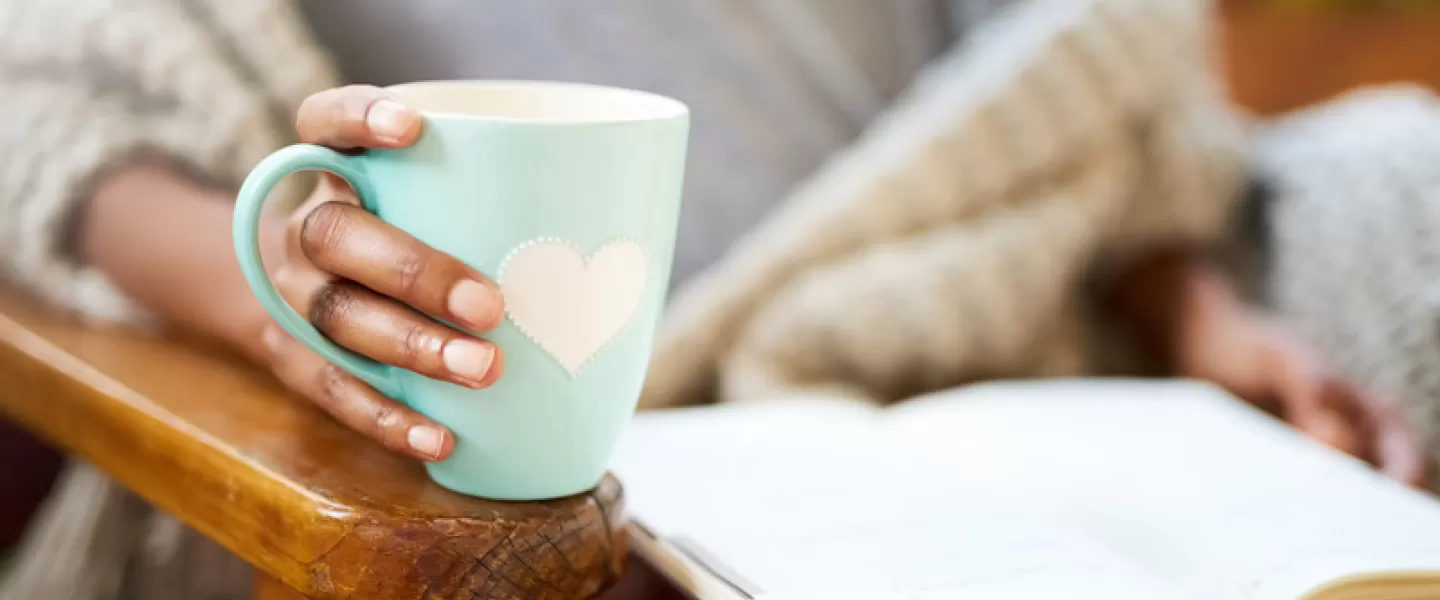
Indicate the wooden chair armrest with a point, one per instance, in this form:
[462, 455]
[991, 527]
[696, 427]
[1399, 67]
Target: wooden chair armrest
[305, 500]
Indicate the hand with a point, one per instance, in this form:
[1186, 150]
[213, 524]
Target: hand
[1260, 362]
[374, 289]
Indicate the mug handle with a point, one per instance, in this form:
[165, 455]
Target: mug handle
[249, 205]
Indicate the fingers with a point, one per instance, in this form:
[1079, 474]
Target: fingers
[357, 116]
[1303, 397]
[1342, 400]
[355, 404]
[1340, 415]
[1400, 457]
[353, 244]
[1395, 448]
[365, 322]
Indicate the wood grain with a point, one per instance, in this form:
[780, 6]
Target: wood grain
[283, 486]
[1279, 58]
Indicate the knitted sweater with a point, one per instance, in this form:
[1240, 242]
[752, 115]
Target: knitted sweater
[773, 87]
[969, 213]
[1353, 258]
[90, 84]
[952, 241]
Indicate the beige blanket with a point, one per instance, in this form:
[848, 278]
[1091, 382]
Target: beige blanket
[956, 239]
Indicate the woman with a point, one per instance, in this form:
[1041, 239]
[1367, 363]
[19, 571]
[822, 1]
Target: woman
[1034, 199]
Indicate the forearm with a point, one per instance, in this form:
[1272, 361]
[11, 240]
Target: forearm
[165, 241]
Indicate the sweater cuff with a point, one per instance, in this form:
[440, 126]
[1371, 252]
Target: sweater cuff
[66, 158]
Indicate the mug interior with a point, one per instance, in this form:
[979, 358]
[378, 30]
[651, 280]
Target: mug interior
[537, 101]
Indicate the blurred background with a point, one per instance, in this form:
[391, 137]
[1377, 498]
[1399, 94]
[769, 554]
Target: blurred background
[1276, 56]
[1283, 54]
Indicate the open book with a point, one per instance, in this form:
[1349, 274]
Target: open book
[1103, 489]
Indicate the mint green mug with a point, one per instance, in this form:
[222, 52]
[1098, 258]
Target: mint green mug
[568, 197]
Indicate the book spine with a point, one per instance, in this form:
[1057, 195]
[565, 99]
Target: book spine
[697, 554]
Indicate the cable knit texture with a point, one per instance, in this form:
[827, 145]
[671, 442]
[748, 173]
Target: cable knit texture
[1353, 260]
[88, 85]
[951, 241]
[1062, 134]
[92, 83]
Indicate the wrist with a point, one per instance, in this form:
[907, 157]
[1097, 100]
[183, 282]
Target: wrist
[1181, 306]
[165, 241]
[1212, 334]
[1208, 312]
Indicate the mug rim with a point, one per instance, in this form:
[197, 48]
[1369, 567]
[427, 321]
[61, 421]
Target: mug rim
[660, 107]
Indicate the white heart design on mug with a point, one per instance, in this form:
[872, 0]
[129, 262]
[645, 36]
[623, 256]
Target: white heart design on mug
[572, 306]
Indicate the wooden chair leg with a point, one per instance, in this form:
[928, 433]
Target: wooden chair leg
[267, 588]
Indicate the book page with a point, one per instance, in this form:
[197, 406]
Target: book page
[1178, 477]
[936, 556]
[801, 502]
[763, 462]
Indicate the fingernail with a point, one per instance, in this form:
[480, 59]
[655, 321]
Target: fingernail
[476, 304]
[388, 120]
[468, 359]
[426, 440]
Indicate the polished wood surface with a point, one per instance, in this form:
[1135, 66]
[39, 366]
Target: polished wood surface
[267, 588]
[305, 500]
[1279, 58]
[640, 581]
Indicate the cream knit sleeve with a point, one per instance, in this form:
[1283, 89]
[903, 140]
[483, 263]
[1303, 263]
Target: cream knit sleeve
[948, 243]
[90, 84]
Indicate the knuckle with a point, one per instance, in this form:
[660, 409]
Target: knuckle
[354, 104]
[335, 116]
[330, 388]
[331, 307]
[272, 340]
[324, 229]
[383, 421]
[289, 280]
[411, 268]
[416, 345]
[283, 278]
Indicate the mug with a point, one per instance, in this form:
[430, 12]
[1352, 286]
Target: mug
[568, 197]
